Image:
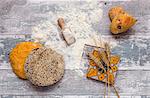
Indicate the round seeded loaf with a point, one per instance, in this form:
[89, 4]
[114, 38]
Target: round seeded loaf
[44, 67]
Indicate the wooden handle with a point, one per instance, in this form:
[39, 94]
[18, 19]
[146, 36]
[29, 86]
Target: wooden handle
[61, 23]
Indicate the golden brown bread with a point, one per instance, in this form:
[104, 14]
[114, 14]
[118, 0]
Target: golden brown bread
[115, 11]
[122, 23]
[121, 20]
[18, 56]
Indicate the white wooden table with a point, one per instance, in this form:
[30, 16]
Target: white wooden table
[133, 78]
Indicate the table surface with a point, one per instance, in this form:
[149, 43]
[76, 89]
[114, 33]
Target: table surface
[133, 79]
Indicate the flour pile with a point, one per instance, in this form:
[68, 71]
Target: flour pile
[80, 18]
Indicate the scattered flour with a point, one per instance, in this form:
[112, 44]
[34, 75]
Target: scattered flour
[80, 19]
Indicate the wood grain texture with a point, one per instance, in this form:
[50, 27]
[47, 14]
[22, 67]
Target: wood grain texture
[70, 96]
[17, 17]
[134, 50]
[127, 82]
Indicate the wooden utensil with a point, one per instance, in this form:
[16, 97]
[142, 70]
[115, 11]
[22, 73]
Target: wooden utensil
[66, 32]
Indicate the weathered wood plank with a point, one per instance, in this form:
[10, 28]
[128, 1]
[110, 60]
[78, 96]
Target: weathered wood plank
[48, 96]
[134, 51]
[70, 96]
[21, 18]
[75, 83]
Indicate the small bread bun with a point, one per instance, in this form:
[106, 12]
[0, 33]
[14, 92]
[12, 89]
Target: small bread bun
[121, 20]
[18, 56]
[122, 23]
[44, 67]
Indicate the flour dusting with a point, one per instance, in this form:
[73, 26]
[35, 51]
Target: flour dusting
[80, 19]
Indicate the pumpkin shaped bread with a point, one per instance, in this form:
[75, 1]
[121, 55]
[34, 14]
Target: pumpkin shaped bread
[18, 57]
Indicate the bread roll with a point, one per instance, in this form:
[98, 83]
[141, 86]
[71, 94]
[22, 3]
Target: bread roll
[122, 23]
